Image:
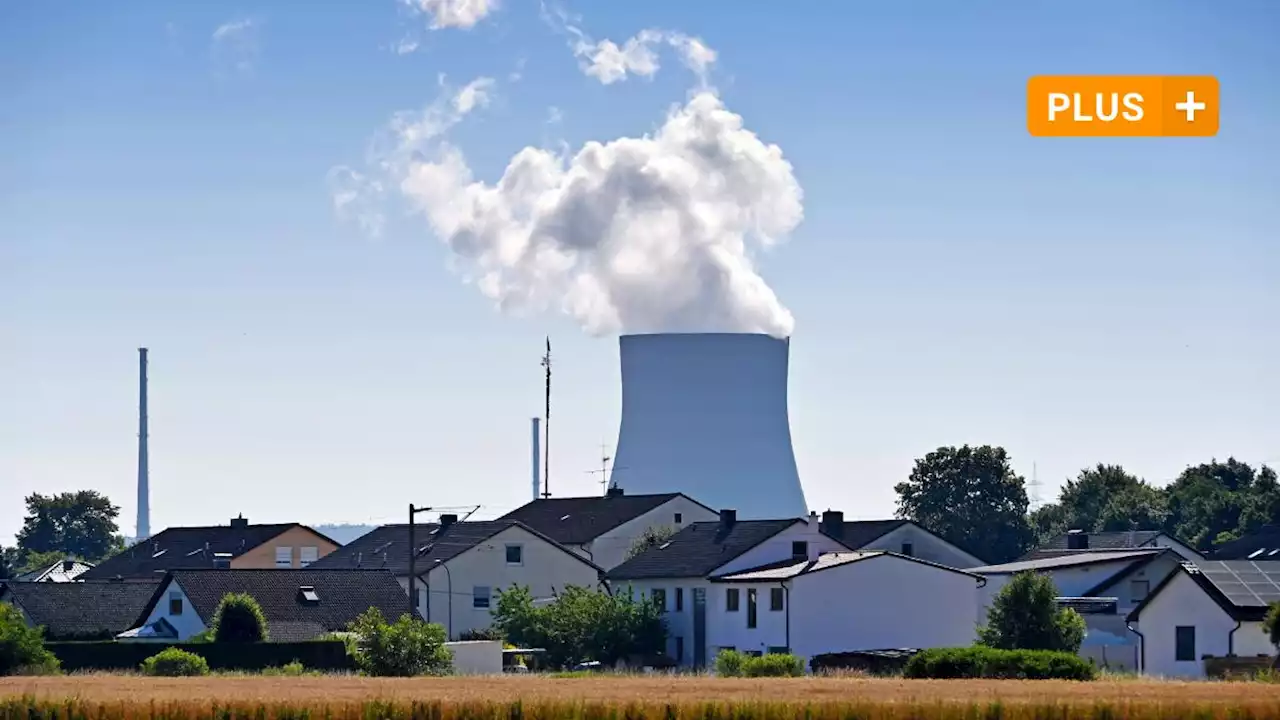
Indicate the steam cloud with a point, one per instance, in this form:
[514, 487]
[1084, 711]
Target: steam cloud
[636, 234]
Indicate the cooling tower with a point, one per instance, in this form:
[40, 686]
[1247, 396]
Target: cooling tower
[706, 415]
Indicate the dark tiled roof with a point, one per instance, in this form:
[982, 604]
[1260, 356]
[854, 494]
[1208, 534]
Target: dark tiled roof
[186, 548]
[698, 549]
[343, 594]
[81, 610]
[856, 533]
[1098, 542]
[1264, 544]
[579, 520]
[1066, 561]
[788, 569]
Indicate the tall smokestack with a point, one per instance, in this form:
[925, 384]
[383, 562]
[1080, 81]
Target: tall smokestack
[143, 529]
[537, 460]
[706, 414]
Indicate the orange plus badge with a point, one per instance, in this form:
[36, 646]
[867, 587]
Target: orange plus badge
[1122, 106]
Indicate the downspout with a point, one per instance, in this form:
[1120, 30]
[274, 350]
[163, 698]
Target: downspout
[786, 599]
[1142, 648]
[1231, 640]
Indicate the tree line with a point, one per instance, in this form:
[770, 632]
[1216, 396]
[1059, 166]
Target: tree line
[79, 525]
[971, 497]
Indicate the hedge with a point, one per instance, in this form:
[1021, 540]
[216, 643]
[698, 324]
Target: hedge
[985, 662]
[873, 662]
[314, 655]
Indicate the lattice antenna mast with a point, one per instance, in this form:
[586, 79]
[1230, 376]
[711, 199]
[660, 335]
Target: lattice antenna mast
[1034, 488]
[604, 469]
[546, 427]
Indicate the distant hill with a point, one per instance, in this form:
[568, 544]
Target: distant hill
[343, 533]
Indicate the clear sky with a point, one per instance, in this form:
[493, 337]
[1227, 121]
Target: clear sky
[167, 179]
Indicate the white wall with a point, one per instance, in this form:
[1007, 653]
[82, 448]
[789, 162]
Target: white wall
[778, 548]
[924, 545]
[545, 568]
[1070, 581]
[1183, 602]
[476, 657]
[610, 549]
[1183, 550]
[679, 622]
[187, 623]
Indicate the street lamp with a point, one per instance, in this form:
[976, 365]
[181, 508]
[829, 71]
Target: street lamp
[449, 589]
[413, 561]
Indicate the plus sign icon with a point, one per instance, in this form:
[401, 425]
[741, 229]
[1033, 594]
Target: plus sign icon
[1122, 106]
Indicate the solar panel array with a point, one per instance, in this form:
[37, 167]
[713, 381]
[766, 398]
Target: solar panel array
[1245, 583]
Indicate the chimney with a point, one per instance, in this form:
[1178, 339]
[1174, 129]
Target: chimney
[833, 523]
[728, 518]
[447, 519]
[143, 526]
[1077, 540]
[240, 521]
[614, 491]
[537, 459]
[68, 565]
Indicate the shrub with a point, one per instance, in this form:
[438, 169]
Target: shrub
[774, 665]
[729, 663]
[1025, 616]
[293, 669]
[172, 662]
[480, 634]
[986, 662]
[405, 648]
[22, 650]
[239, 618]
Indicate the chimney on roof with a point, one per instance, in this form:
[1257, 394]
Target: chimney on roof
[1077, 540]
[447, 519]
[833, 523]
[239, 521]
[614, 491]
[728, 518]
[68, 565]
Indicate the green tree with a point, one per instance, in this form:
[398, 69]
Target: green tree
[1025, 616]
[1271, 624]
[75, 524]
[581, 624]
[972, 498]
[1102, 498]
[652, 537]
[21, 646]
[239, 619]
[10, 562]
[406, 648]
[1219, 500]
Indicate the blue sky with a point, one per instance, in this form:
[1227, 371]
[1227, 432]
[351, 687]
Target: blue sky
[953, 280]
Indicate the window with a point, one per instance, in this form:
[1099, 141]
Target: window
[284, 557]
[308, 594]
[775, 599]
[308, 555]
[659, 597]
[908, 549]
[515, 554]
[731, 600]
[679, 518]
[679, 599]
[1185, 642]
[175, 603]
[1138, 590]
[776, 650]
[679, 649]
[480, 596]
[752, 653]
[751, 607]
[800, 549]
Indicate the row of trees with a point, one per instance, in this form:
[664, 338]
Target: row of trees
[80, 524]
[972, 497]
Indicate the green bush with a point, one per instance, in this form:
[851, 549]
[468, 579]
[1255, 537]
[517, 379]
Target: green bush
[480, 634]
[293, 669]
[22, 650]
[774, 665]
[1025, 616]
[729, 663]
[172, 662]
[405, 648]
[986, 662]
[239, 618]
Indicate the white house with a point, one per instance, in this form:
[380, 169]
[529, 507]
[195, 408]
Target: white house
[1208, 608]
[1078, 541]
[679, 572]
[897, 536]
[460, 566]
[604, 528]
[843, 601]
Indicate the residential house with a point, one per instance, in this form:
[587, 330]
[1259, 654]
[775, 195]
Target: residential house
[60, 571]
[1207, 608]
[678, 573]
[1078, 541]
[603, 529]
[460, 566]
[903, 537]
[842, 602]
[85, 610]
[298, 604]
[1108, 642]
[1262, 544]
[237, 545]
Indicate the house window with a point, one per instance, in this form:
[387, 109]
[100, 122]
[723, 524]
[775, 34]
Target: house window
[908, 549]
[284, 557]
[775, 599]
[751, 607]
[659, 597]
[175, 603]
[515, 554]
[308, 555]
[480, 596]
[1138, 589]
[679, 599]
[731, 600]
[1185, 643]
[776, 650]
[753, 653]
[800, 549]
[679, 518]
[679, 649]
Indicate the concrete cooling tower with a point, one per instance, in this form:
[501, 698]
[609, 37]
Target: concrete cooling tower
[706, 415]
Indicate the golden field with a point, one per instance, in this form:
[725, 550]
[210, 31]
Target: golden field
[627, 698]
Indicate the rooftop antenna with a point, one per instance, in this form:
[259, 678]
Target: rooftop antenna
[470, 512]
[546, 428]
[604, 469]
[143, 527]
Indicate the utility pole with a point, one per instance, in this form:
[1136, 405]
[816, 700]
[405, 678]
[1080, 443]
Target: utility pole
[413, 561]
[546, 427]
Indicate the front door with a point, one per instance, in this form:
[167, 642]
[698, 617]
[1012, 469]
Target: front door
[699, 627]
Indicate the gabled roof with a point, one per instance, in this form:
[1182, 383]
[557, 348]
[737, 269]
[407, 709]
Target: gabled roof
[61, 571]
[188, 548]
[699, 549]
[1243, 589]
[81, 610]
[1098, 542]
[857, 533]
[1263, 544]
[790, 569]
[579, 520]
[387, 547]
[1065, 561]
[342, 596]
